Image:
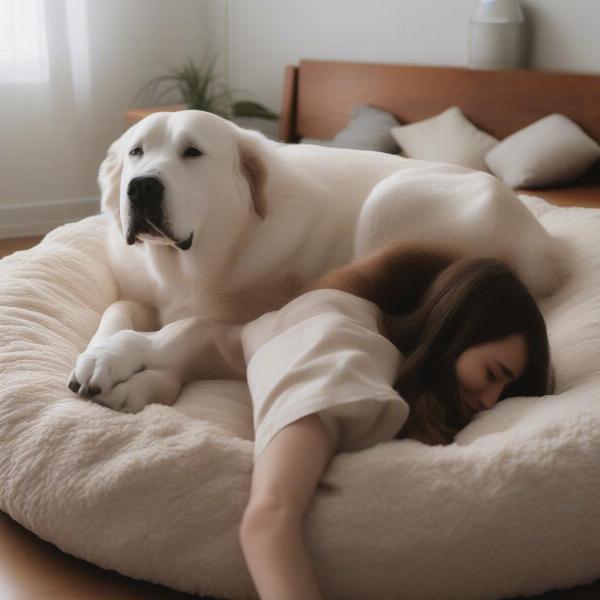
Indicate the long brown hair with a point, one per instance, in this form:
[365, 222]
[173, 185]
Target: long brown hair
[470, 302]
[435, 305]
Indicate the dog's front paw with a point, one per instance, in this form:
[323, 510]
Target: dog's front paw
[104, 365]
[128, 397]
[145, 387]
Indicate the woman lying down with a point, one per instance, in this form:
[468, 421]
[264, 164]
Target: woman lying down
[407, 343]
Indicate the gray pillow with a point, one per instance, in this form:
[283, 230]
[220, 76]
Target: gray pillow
[550, 151]
[368, 129]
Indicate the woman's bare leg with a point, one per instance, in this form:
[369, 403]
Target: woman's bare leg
[283, 483]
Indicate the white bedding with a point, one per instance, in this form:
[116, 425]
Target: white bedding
[510, 509]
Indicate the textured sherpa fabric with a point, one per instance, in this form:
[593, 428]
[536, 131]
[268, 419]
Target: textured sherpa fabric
[511, 508]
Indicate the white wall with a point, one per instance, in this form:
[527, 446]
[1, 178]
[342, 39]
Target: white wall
[54, 135]
[53, 139]
[265, 35]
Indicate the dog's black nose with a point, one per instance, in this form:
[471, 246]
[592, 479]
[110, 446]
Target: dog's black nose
[145, 190]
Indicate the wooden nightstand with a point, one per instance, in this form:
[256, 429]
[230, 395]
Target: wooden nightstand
[137, 114]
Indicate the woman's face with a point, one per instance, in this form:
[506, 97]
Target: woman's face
[483, 371]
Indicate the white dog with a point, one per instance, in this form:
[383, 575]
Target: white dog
[212, 226]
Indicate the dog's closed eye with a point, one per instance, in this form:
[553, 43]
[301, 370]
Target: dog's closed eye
[191, 152]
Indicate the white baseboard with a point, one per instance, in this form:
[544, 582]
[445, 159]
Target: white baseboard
[37, 218]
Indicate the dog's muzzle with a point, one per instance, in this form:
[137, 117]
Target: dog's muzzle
[145, 194]
[185, 244]
[146, 214]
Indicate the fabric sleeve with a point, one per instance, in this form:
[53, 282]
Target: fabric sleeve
[325, 355]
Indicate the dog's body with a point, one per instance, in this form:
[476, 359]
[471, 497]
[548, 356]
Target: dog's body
[212, 226]
[307, 229]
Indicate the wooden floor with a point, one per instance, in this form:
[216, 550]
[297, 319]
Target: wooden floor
[9, 246]
[31, 568]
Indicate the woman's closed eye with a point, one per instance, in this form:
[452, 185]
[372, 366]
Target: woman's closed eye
[491, 377]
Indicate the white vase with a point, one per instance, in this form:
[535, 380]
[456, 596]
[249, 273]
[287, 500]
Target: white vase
[497, 35]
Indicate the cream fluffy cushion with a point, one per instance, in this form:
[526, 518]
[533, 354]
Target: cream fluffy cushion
[509, 509]
[550, 151]
[449, 137]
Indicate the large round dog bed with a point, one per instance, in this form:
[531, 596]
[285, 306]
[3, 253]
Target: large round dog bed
[511, 508]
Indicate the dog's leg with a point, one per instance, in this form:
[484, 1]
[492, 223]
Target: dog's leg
[119, 316]
[469, 212]
[188, 349]
[151, 386]
[198, 348]
[126, 314]
[182, 351]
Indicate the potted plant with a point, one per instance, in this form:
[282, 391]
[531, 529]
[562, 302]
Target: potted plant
[199, 87]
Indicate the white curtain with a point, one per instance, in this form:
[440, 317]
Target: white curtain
[43, 37]
[23, 43]
[69, 69]
[45, 97]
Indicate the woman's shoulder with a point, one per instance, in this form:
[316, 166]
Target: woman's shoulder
[336, 299]
[323, 309]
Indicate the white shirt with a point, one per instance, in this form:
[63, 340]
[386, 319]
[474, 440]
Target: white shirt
[323, 353]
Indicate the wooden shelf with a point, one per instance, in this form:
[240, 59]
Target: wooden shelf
[137, 114]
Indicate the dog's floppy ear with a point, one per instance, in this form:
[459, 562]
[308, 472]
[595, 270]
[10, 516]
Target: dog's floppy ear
[109, 177]
[254, 169]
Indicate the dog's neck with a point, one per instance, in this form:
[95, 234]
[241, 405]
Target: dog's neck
[292, 226]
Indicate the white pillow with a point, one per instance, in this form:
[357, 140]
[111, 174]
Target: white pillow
[550, 151]
[450, 137]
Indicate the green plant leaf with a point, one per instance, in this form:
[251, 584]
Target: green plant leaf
[201, 88]
[248, 108]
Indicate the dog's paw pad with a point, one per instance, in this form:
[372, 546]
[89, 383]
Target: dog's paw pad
[74, 385]
[89, 391]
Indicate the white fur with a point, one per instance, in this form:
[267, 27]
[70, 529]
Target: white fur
[259, 235]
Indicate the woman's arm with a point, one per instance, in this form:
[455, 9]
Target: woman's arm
[283, 483]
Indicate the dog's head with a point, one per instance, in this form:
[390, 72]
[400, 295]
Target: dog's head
[174, 177]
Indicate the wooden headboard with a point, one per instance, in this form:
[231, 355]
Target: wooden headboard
[318, 98]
